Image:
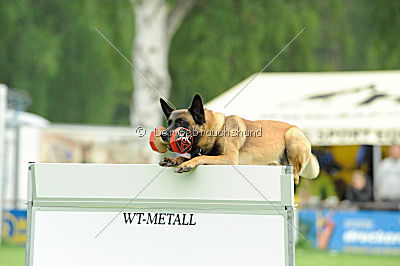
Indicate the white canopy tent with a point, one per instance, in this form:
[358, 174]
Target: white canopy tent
[332, 108]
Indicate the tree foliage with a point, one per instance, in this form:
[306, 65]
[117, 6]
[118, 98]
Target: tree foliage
[223, 42]
[50, 48]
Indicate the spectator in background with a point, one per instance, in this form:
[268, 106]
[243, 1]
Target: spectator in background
[360, 189]
[387, 179]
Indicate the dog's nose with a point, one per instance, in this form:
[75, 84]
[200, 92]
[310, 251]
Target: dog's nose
[165, 136]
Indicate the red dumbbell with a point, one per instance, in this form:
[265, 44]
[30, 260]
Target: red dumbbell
[181, 140]
[156, 142]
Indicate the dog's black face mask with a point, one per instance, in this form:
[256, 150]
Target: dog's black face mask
[186, 118]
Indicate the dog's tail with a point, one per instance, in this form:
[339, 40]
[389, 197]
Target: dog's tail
[311, 169]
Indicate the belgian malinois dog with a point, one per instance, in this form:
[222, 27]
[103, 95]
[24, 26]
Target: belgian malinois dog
[223, 140]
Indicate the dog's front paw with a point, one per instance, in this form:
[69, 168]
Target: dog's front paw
[168, 162]
[184, 167]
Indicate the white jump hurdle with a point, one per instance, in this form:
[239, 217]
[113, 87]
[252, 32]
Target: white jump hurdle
[209, 216]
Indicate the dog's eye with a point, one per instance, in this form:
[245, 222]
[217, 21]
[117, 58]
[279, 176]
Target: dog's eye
[180, 122]
[169, 122]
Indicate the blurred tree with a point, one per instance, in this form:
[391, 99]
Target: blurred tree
[155, 24]
[50, 49]
[222, 42]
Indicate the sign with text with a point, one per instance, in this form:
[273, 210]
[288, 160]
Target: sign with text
[14, 226]
[365, 231]
[155, 238]
[146, 215]
[159, 218]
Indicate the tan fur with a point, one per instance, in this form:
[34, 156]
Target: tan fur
[278, 141]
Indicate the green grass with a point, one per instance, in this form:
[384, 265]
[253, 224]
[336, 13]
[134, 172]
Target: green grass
[15, 256]
[11, 255]
[313, 257]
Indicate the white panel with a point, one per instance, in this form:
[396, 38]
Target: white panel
[68, 238]
[125, 181]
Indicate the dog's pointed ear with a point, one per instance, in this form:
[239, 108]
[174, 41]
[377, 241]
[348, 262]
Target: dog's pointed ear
[196, 109]
[166, 108]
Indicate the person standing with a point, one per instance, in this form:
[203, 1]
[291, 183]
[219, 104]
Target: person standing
[387, 179]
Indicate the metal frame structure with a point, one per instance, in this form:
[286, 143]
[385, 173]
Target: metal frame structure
[205, 190]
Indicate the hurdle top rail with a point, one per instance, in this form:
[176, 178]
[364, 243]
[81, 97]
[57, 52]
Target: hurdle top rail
[79, 212]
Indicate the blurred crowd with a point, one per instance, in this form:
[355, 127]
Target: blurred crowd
[368, 188]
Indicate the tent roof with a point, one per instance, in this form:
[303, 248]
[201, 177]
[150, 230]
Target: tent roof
[333, 108]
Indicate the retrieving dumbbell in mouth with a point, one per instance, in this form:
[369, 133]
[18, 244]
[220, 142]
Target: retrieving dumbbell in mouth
[180, 140]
